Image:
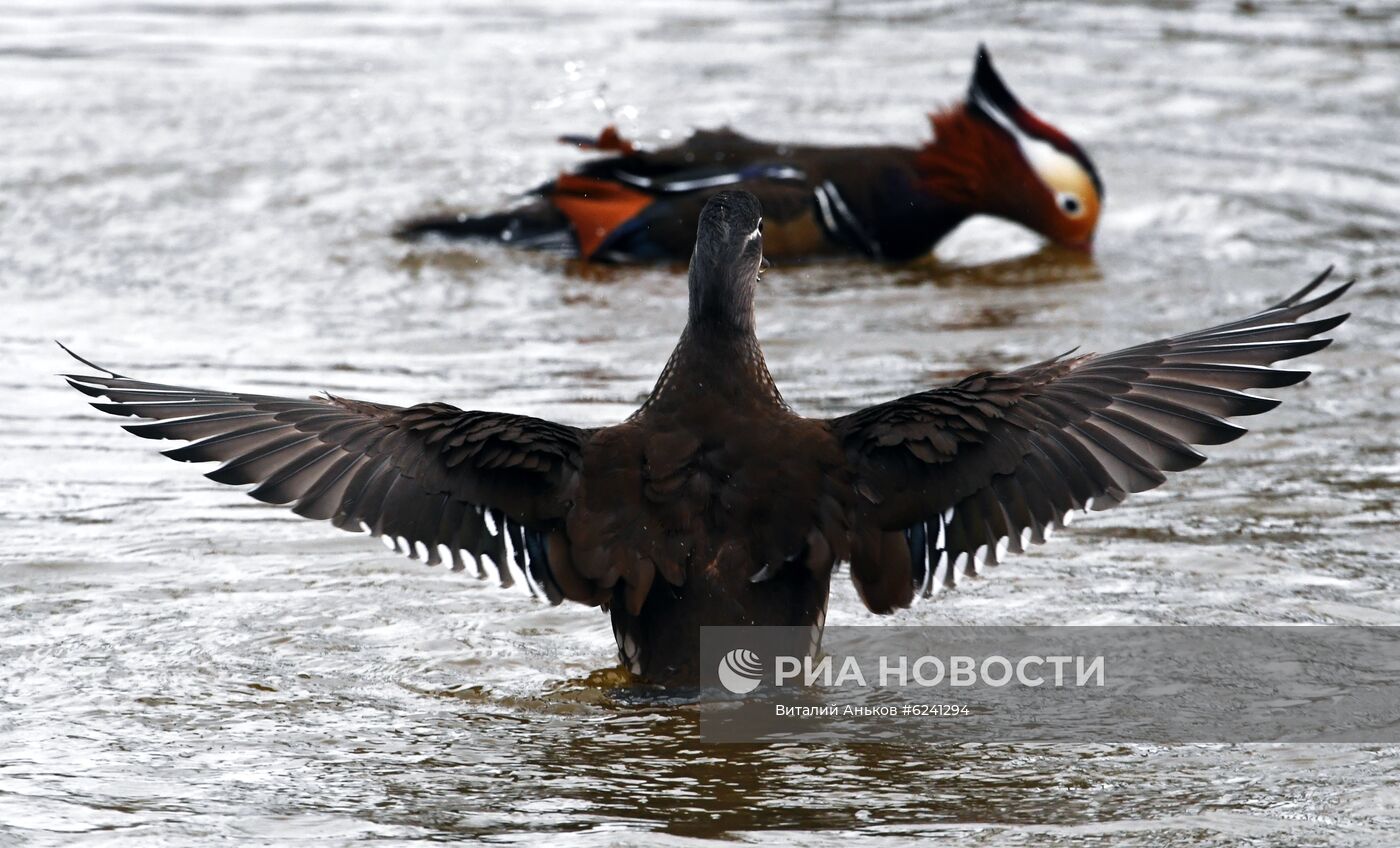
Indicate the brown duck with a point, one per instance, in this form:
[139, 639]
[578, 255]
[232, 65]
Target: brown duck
[989, 156]
[716, 503]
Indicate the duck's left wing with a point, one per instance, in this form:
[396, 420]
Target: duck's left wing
[958, 476]
[433, 481]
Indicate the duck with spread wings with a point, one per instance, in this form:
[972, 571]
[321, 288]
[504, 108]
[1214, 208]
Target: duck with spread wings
[717, 504]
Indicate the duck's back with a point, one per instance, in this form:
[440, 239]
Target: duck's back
[709, 514]
[817, 200]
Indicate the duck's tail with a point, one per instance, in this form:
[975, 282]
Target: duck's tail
[538, 226]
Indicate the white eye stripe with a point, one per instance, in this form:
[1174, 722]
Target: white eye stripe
[986, 105]
[1043, 156]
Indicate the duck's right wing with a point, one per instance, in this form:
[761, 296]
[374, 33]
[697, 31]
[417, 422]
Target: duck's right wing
[433, 481]
[957, 476]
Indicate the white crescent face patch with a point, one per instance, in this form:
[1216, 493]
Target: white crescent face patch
[1061, 174]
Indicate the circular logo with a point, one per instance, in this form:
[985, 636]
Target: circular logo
[740, 671]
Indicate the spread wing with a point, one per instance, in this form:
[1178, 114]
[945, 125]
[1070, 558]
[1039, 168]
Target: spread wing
[435, 482]
[958, 476]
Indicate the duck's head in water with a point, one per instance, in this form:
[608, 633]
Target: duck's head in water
[996, 157]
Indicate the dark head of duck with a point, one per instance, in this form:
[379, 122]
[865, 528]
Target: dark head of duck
[993, 156]
[724, 267]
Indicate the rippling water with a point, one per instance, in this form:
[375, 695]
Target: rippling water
[200, 194]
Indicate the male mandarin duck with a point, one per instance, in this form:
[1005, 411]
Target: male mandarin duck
[716, 503]
[989, 155]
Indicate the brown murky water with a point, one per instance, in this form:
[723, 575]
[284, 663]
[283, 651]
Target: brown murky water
[199, 194]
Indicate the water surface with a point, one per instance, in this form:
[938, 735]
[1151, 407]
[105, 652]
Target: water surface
[199, 194]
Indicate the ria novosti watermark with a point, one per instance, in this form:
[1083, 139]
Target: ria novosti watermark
[1080, 684]
[931, 671]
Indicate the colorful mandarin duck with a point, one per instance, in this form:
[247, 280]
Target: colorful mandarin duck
[989, 155]
[717, 504]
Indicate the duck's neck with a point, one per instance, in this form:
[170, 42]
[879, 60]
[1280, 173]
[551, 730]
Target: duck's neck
[958, 165]
[715, 363]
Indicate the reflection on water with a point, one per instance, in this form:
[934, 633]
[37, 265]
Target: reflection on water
[201, 194]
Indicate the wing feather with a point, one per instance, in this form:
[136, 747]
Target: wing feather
[999, 460]
[435, 482]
